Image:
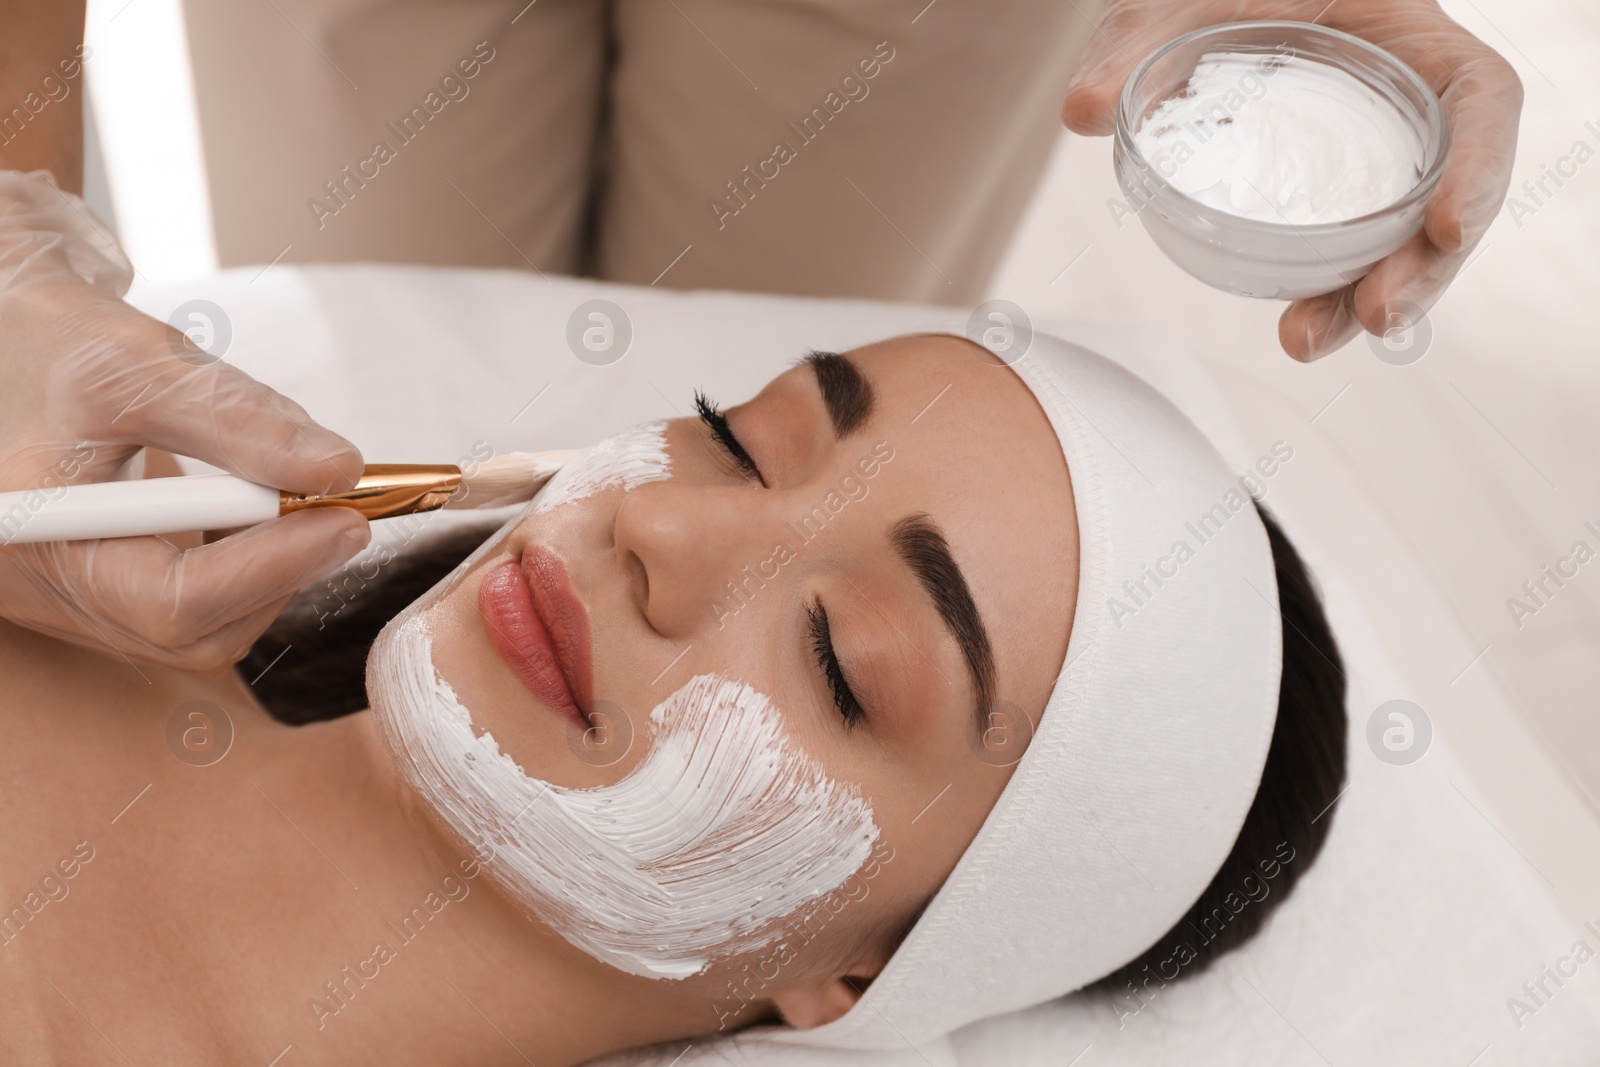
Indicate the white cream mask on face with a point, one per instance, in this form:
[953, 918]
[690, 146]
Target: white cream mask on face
[630, 458]
[722, 830]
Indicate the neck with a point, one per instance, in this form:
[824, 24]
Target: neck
[399, 923]
[294, 893]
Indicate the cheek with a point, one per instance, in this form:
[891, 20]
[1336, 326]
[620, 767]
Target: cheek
[721, 831]
[557, 515]
[631, 458]
[828, 935]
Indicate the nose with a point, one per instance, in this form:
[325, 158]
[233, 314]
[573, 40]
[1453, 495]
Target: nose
[684, 543]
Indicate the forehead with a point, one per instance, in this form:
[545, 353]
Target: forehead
[973, 449]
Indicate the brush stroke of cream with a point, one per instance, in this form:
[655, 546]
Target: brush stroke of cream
[722, 830]
[630, 458]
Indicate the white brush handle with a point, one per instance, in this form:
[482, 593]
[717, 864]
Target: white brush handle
[132, 509]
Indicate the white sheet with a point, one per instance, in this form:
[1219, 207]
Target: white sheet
[1402, 946]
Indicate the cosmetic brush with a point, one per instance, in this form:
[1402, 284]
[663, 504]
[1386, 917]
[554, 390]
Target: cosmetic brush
[223, 502]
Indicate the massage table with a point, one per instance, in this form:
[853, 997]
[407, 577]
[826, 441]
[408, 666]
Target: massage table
[1423, 917]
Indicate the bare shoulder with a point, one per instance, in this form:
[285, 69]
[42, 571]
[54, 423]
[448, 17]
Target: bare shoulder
[54, 701]
[30, 664]
[45, 840]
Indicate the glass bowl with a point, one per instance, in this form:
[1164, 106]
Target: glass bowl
[1274, 259]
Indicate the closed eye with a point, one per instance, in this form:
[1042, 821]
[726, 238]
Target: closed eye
[844, 698]
[717, 423]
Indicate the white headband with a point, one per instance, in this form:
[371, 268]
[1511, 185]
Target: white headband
[1138, 779]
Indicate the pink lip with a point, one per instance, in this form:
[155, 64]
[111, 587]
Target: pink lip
[541, 629]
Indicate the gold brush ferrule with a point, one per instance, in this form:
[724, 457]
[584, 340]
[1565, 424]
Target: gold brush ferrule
[385, 490]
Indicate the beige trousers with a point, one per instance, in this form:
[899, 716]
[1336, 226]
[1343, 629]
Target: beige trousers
[873, 148]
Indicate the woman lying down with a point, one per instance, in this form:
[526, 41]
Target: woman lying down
[881, 703]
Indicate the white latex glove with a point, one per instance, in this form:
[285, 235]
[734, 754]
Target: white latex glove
[85, 381]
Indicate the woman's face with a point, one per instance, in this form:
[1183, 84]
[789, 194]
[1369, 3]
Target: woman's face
[882, 543]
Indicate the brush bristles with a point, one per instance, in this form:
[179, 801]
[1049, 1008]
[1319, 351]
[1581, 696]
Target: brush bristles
[509, 479]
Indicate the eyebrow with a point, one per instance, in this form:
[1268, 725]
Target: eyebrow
[846, 393]
[923, 547]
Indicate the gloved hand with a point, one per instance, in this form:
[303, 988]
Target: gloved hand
[87, 380]
[1482, 97]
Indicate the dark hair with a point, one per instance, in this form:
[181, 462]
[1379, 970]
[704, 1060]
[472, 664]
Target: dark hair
[1288, 821]
[311, 665]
